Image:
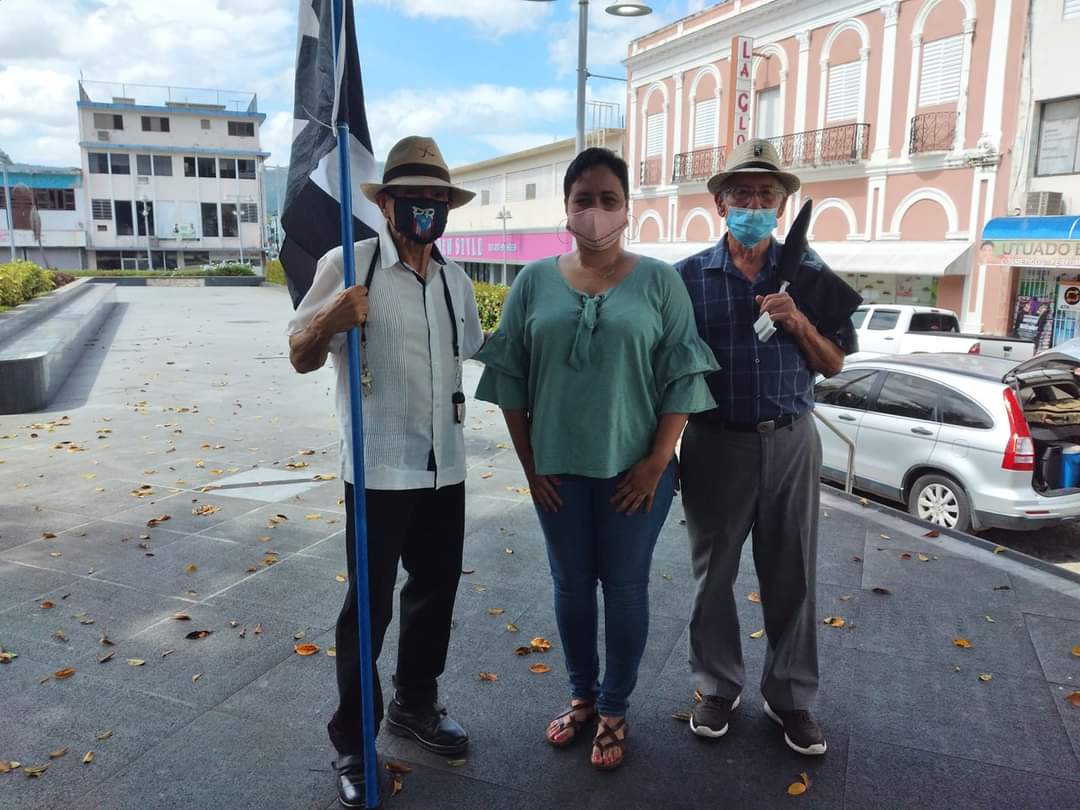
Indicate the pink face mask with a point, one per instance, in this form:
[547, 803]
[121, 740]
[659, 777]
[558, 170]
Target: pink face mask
[596, 228]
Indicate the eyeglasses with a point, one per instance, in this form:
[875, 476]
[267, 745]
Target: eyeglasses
[743, 195]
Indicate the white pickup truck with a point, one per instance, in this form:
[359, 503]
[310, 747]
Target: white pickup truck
[907, 329]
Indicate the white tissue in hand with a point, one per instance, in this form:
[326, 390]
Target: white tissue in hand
[764, 327]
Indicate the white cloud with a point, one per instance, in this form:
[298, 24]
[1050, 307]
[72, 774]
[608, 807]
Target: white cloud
[608, 40]
[490, 109]
[238, 44]
[275, 137]
[493, 17]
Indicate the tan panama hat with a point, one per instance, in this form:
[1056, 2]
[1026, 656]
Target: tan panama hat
[416, 161]
[753, 157]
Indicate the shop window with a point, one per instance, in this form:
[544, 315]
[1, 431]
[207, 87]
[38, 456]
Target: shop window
[227, 168]
[245, 169]
[207, 167]
[99, 162]
[143, 165]
[163, 165]
[189, 166]
[229, 224]
[120, 163]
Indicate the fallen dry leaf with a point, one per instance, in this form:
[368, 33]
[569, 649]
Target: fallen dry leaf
[59, 753]
[1076, 650]
[1073, 698]
[880, 590]
[456, 763]
[46, 605]
[754, 597]
[182, 617]
[298, 636]
[313, 516]
[682, 717]
[486, 475]
[60, 635]
[496, 611]
[154, 522]
[105, 641]
[306, 649]
[103, 735]
[396, 785]
[511, 628]
[932, 533]
[758, 633]
[194, 635]
[989, 619]
[135, 662]
[341, 578]
[66, 672]
[167, 653]
[205, 510]
[48, 535]
[88, 757]
[324, 477]
[397, 767]
[922, 557]
[35, 771]
[195, 677]
[491, 677]
[539, 668]
[332, 652]
[104, 659]
[998, 549]
[834, 621]
[984, 677]
[306, 452]
[190, 568]
[540, 644]
[962, 642]
[799, 788]
[263, 538]
[522, 650]
[905, 556]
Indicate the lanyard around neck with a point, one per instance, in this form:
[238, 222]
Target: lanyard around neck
[446, 294]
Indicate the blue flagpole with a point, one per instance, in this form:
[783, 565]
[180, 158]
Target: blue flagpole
[363, 602]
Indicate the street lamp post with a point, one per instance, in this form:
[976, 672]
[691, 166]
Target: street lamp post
[629, 8]
[504, 215]
[146, 227]
[5, 161]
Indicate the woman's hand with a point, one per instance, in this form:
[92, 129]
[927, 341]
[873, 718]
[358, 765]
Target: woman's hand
[637, 487]
[544, 490]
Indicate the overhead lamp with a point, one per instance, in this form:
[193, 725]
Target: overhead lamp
[629, 9]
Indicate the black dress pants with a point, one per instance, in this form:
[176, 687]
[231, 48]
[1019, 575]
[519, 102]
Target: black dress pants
[425, 529]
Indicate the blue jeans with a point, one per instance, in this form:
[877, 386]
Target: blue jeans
[588, 541]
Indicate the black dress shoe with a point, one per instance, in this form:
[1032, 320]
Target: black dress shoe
[351, 784]
[430, 726]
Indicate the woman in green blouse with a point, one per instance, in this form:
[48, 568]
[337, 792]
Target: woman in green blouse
[596, 364]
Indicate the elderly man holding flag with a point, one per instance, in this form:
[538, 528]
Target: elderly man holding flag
[398, 341]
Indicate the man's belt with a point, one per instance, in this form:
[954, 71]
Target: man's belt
[768, 426]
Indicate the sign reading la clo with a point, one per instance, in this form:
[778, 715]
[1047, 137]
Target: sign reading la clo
[742, 80]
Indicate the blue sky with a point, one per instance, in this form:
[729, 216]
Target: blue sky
[484, 77]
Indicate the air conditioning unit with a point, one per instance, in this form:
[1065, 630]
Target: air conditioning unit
[142, 179]
[103, 134]
[1044, 204]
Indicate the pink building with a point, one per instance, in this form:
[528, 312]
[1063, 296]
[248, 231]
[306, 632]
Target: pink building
[899, 117]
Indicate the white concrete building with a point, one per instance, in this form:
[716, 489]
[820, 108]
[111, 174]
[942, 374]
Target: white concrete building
[55, 194]
[523, 193]
[173, 176]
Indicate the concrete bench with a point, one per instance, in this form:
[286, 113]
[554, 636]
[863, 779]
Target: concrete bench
[41, 341]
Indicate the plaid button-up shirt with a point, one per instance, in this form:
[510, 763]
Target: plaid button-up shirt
[757, 381]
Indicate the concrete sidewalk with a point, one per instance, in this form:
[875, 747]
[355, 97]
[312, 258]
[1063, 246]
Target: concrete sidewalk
[187, 388]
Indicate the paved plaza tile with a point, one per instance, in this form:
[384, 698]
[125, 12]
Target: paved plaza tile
[199, 417]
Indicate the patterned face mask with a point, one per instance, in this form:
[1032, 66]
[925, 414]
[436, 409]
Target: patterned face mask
[419, 219]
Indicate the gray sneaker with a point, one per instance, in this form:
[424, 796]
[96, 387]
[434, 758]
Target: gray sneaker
[801, 731]
[710, 717]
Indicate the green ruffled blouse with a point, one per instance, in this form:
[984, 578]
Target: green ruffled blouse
[596, 372]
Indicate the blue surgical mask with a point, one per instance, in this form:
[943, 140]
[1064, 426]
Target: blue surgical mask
[751, 225]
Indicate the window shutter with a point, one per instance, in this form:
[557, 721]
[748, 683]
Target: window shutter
[654, 135]
[844, 91]
[1072, 10]
[939, 82]
[705, 123]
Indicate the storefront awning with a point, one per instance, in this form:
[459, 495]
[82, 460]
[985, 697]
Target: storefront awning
[890, 258]
[1055, 229]
[669, 252]
[897, 258]
[1034, 241]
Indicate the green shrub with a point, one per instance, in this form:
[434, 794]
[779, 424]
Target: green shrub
[228, 269]
[20, 281]
[275, 273]
[489, 303]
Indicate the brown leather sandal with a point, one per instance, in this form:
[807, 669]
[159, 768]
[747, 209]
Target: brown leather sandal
[568, 721]
[606, 739]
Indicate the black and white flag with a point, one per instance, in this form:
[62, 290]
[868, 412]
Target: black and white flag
[324, 97]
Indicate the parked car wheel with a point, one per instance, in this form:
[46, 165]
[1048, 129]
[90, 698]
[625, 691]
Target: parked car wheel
[940, 499]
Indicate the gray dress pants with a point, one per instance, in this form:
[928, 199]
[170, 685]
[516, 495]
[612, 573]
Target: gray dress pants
[765, 485]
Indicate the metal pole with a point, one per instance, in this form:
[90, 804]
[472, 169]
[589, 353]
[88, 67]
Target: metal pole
[146, 227]
[582, 72]
[10, 221]
[363, 601]
[239, 219]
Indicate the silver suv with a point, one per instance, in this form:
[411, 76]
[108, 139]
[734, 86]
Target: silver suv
[964, 441]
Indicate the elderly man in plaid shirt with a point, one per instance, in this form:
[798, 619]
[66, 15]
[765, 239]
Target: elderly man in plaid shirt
[751, 465]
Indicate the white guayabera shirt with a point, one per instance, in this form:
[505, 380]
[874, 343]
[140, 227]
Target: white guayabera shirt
[411, 440]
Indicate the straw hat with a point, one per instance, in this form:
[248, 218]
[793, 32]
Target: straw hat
[754, 156]
[416, 161]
